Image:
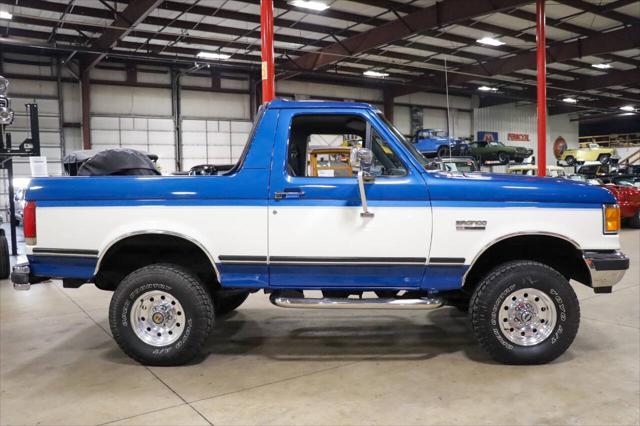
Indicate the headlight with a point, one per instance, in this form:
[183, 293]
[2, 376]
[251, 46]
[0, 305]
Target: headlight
[611, 218]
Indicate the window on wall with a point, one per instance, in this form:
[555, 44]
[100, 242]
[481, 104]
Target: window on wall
[321, 146]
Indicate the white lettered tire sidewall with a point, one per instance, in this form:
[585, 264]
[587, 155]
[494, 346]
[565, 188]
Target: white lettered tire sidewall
[502, 282]
[179, 283]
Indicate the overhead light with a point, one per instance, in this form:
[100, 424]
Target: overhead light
[310, 4]
[601, 66]
[490, 41]
[628, 108]
[487, 89]
[213, 55]
[376, 74]
[5, 15]
[570, 100]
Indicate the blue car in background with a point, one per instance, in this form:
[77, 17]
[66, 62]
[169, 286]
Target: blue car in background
[432, 142]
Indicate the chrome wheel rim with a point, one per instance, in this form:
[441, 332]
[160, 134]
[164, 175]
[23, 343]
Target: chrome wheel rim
[527, 317]
[157, 318]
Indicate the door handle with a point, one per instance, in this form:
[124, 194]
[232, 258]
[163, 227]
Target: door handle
[289, 193]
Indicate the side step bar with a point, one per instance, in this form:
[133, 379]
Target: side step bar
[344, 303]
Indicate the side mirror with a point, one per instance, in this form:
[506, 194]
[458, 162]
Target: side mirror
[363, 158]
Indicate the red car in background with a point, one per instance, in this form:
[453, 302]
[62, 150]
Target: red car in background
[627, 192]
[626, 189]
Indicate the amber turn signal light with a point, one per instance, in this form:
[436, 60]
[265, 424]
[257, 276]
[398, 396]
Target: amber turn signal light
[611, 218]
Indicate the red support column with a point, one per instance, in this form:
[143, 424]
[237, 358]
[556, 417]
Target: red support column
[266, 35]
[541, 46]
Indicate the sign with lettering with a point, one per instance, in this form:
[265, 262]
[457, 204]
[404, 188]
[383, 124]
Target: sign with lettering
[519, 137]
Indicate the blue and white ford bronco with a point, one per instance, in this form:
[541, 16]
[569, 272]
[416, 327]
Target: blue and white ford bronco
[181, 251]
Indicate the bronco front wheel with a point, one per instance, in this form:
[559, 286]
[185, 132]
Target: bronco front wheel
[161, 315]
[524, 312]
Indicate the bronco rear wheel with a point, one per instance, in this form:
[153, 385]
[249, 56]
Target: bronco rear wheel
[524, 312]
[161, 315]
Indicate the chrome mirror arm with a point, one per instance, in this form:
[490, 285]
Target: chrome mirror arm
[363, 198]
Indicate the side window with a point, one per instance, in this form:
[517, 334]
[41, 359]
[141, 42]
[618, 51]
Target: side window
[385, 160]
[320, 145]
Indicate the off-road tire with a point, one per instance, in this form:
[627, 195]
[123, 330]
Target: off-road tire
[5, 263]
[179, 283]
[226, 303]
[570, 160]
[500, 283]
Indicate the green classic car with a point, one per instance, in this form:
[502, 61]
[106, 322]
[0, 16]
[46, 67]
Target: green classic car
[497, 151]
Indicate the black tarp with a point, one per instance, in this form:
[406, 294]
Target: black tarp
[117, 162]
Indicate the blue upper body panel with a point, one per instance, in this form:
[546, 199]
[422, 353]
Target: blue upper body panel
[250, 184]
[431, 144]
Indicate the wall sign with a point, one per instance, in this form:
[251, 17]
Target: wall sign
[559, 146]
[519, 137]
[487, 136]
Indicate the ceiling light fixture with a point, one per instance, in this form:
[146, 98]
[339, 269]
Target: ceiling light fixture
[376, 74]
[601, 66]
[487, 89]
[5, 15]
[570, 100]
[310, 4]
[213, 55]
[628, 108]
[490, 41]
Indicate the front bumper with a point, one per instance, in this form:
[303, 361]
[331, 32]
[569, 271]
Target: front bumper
[606, 268]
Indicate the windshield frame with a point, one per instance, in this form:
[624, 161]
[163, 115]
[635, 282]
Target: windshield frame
[400, 137]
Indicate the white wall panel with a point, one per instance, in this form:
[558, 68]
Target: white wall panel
[434, 119]
[72, 103]
[121, 100]
[32, 87]
[402, 119]
[522, 119]
[214, 105]
[147, 77]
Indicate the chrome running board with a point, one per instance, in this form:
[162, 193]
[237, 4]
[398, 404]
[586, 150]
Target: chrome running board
[344, 303]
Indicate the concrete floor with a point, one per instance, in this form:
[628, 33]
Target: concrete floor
[264, 365]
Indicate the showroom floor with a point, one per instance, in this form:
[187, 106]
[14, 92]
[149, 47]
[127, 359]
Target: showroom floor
[267, 365]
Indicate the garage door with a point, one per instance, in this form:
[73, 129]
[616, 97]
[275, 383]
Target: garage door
[152, 135]
[216, 142]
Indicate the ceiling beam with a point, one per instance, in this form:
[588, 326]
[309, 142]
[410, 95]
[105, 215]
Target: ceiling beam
[622, 39]
[616, 78]
[440, 14]
[601, 11]
[126, 20]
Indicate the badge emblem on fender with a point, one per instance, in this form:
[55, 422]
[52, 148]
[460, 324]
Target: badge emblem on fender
[471, 225]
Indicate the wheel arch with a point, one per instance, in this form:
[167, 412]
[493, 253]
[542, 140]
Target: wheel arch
[555, 250]
[182, 241]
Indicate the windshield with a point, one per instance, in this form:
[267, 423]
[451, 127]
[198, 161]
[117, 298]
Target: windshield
[409, 146]
[496, 144]
[459, 166]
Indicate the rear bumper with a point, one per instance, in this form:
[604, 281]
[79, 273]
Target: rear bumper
[606, 268]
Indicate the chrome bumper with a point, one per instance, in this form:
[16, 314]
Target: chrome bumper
[606, 268]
